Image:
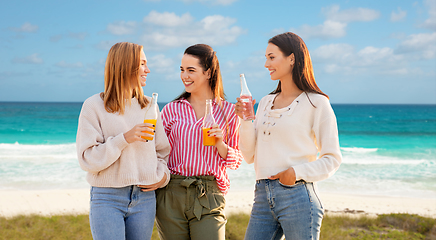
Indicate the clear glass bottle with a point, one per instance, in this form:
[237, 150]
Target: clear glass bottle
[151, 115]
[208, 122]
[246, 99]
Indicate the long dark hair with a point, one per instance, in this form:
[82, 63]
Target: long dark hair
[302, 73]
[208, 60]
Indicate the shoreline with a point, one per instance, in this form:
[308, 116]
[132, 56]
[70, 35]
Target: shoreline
[76, 201]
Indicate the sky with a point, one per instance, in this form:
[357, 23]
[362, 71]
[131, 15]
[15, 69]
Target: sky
[363, 51]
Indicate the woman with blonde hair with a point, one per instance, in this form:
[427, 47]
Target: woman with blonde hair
[123, 168]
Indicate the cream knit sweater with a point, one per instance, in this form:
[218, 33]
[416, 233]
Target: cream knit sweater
[104, 153]
[299, 136]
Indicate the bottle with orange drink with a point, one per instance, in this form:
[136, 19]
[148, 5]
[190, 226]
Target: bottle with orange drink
[151, 115]
[208, 122]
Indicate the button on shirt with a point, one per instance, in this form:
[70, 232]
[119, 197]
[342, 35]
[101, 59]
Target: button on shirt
[188, 156]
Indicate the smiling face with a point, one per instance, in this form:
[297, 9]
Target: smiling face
[143, 69]
[194, 77]
[279, 66]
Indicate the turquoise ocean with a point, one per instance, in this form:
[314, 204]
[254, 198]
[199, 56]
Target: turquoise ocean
[388, 150]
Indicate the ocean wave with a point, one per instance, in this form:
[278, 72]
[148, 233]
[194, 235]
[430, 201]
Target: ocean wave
[39, 152]
[386, 161]
[358, 150]
[17, 145]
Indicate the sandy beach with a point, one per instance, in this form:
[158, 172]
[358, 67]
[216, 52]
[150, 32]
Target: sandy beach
[76, 201]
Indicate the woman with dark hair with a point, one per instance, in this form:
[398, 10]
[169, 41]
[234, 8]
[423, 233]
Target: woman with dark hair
[123, 168]
[192, 205]
[293, 143]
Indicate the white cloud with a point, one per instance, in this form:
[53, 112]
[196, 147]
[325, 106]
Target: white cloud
[160, 63]
[32, 59]
[213, 2]
[424, 44]
[344, 58]
[63, 64]
[398, 16]
[350, 15]
[26, 27]
[430, 23]
[340, 51]
[216, 22]
[121, 28]
[329, 29]
[336, 22]
[223, 2]
[372, 56]
[346, 62]
[168, 30]
[400, 61]
[167, 19]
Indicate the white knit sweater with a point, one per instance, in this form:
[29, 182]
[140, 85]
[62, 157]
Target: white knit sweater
[299, 136]
[104, 153]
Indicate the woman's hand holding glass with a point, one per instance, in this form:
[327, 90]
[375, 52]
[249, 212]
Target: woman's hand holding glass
[139, 131]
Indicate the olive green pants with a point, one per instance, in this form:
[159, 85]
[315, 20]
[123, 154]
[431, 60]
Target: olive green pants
[190, 208]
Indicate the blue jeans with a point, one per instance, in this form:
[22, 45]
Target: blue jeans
[278, 209]
[121, 213]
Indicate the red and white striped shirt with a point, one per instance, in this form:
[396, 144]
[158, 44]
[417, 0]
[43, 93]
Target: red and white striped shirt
[188, 156]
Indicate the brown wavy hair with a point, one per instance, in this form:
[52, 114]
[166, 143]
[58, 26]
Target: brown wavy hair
[121, 77]
[208, 60]
[302, 73]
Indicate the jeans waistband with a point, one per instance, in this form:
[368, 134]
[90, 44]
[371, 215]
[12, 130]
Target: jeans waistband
[299, 181]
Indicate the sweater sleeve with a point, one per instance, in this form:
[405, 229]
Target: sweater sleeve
[94, 152]
[163, 149]
[327, 141]
[234, 155]
[247, 132]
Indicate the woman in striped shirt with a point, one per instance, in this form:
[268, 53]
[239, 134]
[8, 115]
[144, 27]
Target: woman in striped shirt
[192, 205]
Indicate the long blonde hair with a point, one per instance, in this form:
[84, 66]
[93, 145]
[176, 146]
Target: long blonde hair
[121, 77]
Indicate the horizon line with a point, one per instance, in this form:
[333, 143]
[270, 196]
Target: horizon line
[74, 102]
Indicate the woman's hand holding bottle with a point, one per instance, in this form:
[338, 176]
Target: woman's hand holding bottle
[144, 132]
[139, 132]
[216, 132]
[240, 107]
